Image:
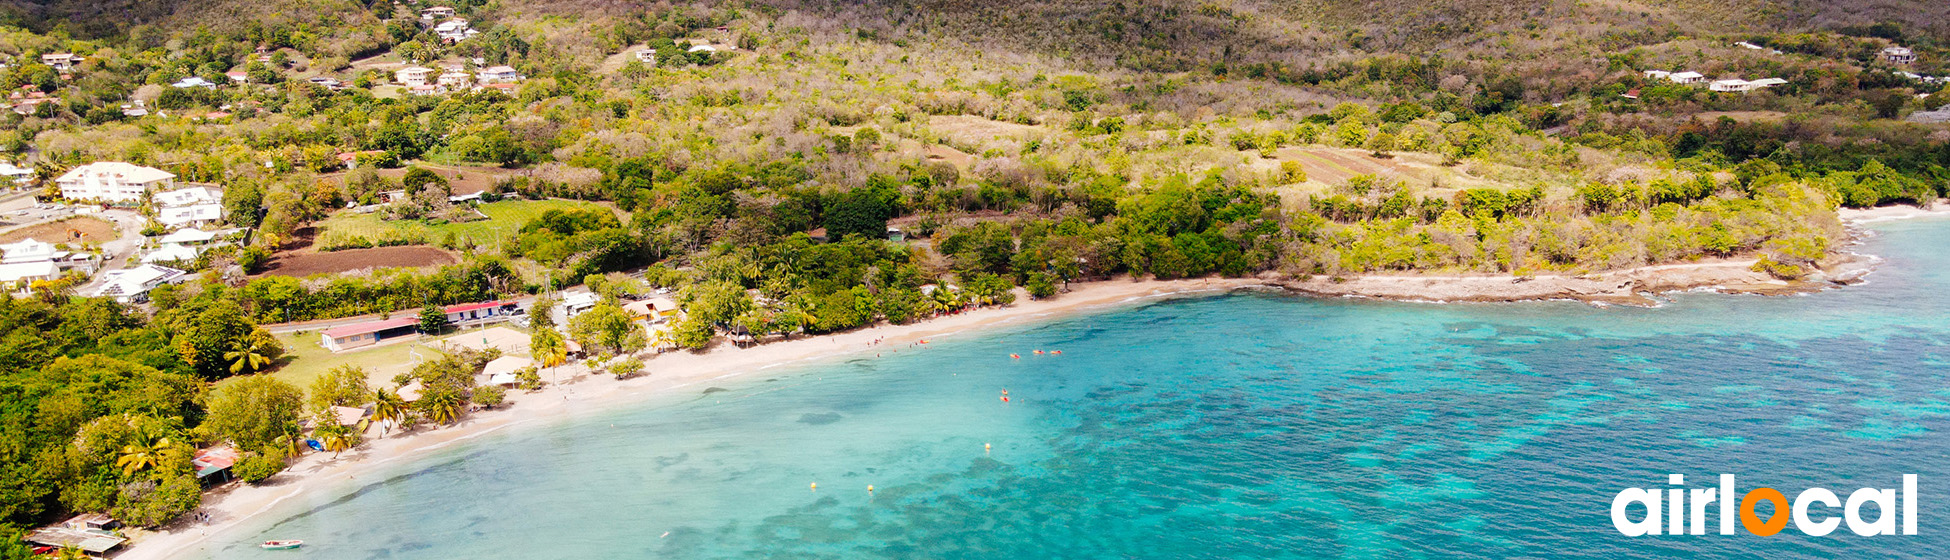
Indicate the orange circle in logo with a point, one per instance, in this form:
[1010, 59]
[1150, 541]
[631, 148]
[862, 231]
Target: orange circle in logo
[1775, 522]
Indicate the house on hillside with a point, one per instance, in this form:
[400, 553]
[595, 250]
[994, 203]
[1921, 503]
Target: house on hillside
[455, 81]
[190, 196]
[647, 56]
[412, 76]
[1733, 85]
[31, 251]
[132, 285]
[498, 75]
[17, 278]
[193, 82]
[171, 253]
[358, 335]
[1767, 83]
[1899, 55]
[61, 62]
[238, 76]
[1687, 77]
[188, 236]
[11, 174]
[437, 12]
[113, 181]
[1657, 74]
[454, 31]
[193, 215]
[351, 159]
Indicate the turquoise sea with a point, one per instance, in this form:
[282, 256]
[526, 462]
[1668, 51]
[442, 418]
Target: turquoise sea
[1250, 425]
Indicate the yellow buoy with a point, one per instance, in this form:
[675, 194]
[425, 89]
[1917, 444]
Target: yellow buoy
[869, 488]
[815, 487]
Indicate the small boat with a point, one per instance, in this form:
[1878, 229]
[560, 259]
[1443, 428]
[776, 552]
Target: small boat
[281, 545]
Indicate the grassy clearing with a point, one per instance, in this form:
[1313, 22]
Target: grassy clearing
[505, 218]
[306, 360]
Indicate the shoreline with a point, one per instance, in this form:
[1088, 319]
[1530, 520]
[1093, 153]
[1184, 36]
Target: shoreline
[228, 509]
[671, 372]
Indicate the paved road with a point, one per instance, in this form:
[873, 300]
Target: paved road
[524, 302]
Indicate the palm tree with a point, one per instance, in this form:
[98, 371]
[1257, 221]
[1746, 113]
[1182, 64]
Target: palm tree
[337, 439]
[141, 457]
[441, 407]
[253, 354]
[388, 407]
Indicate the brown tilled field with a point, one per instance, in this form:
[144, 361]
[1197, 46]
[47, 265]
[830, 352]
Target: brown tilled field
[464, 179]
[309, 263]
[92, 230]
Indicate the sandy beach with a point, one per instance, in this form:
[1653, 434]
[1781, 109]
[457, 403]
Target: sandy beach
[677, 372]
[668, 374]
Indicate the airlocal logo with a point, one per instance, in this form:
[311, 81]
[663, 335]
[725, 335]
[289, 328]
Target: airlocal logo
[1682, 514]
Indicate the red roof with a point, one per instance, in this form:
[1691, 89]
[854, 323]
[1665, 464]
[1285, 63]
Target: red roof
[466, 307]
[371, 327]
[215, 458]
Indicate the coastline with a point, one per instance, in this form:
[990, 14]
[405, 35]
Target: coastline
[669, 373]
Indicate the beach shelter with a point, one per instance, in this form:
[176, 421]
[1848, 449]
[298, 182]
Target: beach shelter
[410, 392]
[347, 416]
[502, 370]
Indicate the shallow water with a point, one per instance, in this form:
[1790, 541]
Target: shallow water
[1241, 426]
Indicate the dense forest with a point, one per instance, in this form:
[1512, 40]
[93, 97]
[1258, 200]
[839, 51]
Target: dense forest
[826, 166]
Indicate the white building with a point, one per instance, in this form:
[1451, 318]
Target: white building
[15, 174]
[498, 75]
[189, 196]
[1686, 77]
[437, 12]
[456, 81]
[192, 215]
[413, 76]
[188, 236]
[454, 31]
[133, 284]
[62, 62]
[29, 250]
[113, 181]
[193, 82]
[1899, 55]
[573, 304]
[18, 277]
[1733, 85]
[170, 253]
[1657, 74]
[647, 56]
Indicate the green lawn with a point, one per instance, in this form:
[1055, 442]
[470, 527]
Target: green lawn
[508, 216]
[307, 360]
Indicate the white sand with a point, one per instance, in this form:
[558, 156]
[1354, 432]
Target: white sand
[667, 373]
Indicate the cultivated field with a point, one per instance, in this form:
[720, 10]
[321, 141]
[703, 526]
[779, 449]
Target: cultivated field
[504, 219]
[308, 263]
